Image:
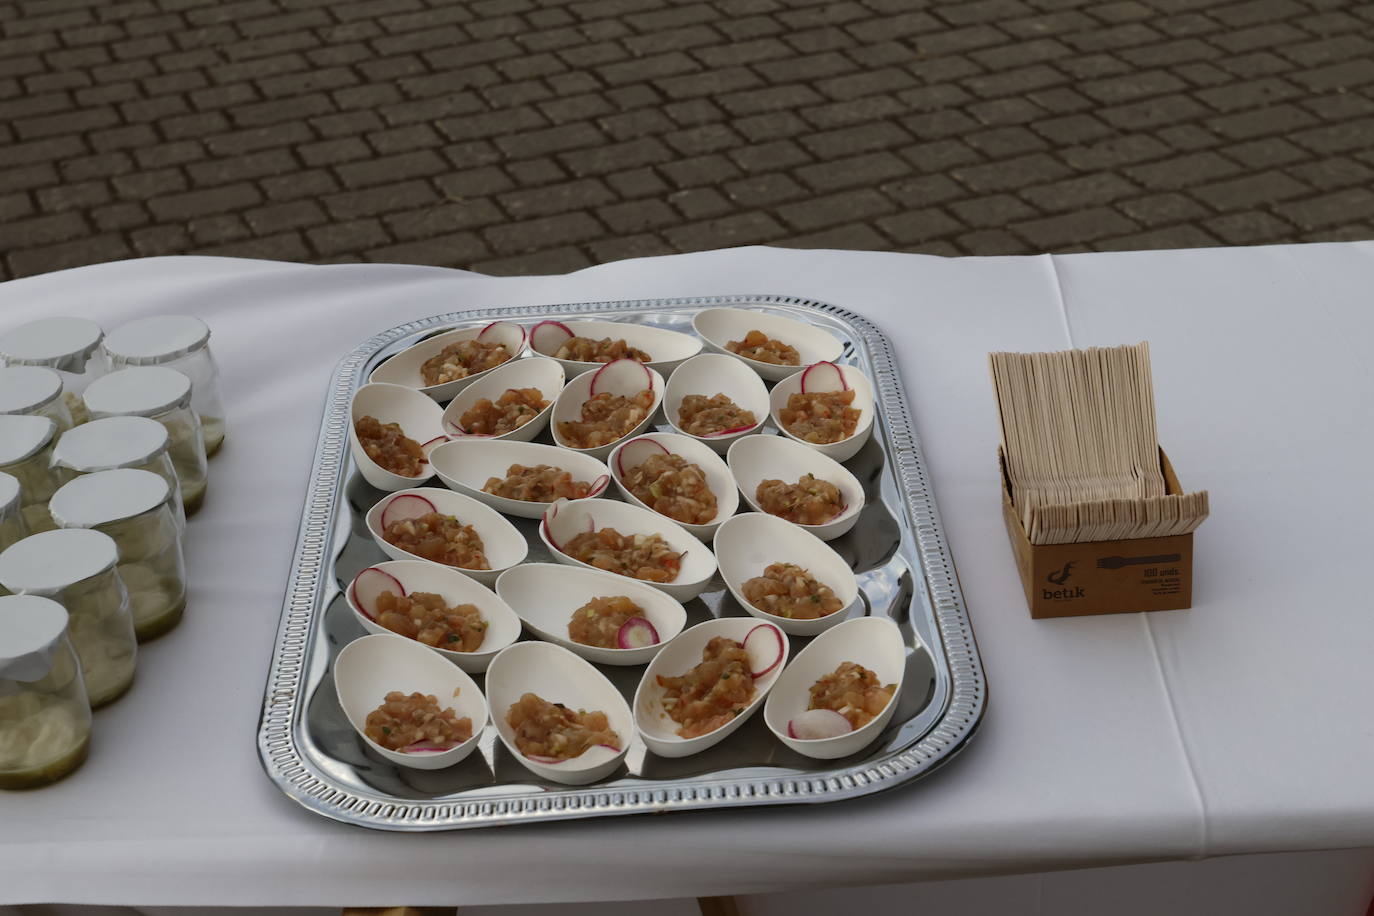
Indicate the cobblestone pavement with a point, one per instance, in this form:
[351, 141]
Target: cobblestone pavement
[519, 136]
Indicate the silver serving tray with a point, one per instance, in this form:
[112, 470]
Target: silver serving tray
[897, 549]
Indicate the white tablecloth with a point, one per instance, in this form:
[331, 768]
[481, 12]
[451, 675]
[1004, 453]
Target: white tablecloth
[1242, 725]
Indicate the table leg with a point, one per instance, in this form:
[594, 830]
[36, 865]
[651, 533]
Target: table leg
[718, 906]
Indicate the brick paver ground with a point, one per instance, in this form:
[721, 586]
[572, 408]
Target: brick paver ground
[521, 136]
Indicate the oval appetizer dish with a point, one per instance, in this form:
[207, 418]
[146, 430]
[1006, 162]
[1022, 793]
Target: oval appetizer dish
[445, 364]
[392, 429]
[604, 618]
[602, 407]
[826, 406]
[677, 477]
[778, 346]
[582, 344]
[512, 401]
[628, 541]
[840, 691]
[784, 575]
[557, 715]
[797, 483]
[435, 606]
[518, 478]
[716, 400]
[707, 683]
[383, 681]
[440, 526]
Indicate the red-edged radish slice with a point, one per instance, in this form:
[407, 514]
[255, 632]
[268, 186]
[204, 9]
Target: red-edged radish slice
[540, 758]
[599, 485]
[823, 377]
[547, 336]
[636, 633]
[406, 506]
[764, 647]
[368, 586]
[421, 748]
[550, 514]
[815, 724]
[432, 444]
[501, 332]
[729, 432]
[624, 377]
[610, 747]
[844, 507]
[638, 451]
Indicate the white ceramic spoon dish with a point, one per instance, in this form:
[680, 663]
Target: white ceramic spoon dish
[631, 453]
[369, 668]
[547, 595]
[625, 378]
[558, 676]
[666, 349]
[465, 466]
[711, 374]
[875, 643]
[503, 545]
[543, 374]
[759, 458]
[748, 544]
[410, 576]
[825, 377]
[720, 326]
[419, 418]
[405, 368]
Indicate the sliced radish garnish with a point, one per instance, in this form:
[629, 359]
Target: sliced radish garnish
[540, 758]
[815, 724]
[547, 336]
[368, 586]
[728, 432]
[599, 485]
[823, 377]
[432, 444]
[417, 748]
[843, 509]
[635, 452]
[406, 506]
[503, 332]
[764, 646]
[550, 514]
[624, 377]
[636, 633]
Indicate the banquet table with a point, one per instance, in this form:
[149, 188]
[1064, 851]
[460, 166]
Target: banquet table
[1241, 726]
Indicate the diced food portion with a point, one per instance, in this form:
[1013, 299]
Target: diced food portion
[515, 408]
[427, 618]
[416, 723]
[440, 539]
[852, 691]
[598, 622]
[787, 590]
[388, 446]
[588, 350]
[711, 694]
[809, 501]
[552, 732]
[673, 486]
[606, 417]
[542, 483]
[639, 556]
[703, 416]
[461, 359]
[758, 345]
[821, 417]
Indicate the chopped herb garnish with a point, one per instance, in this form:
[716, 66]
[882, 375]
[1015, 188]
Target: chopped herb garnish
[385, 730]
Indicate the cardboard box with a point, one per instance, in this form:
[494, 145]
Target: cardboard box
[1102, 577]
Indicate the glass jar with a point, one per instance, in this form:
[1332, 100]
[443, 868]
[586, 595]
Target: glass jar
[64, 345]
[12, 527]
[180, 342]
[119, 442]
[45, 719]
[163, 395]
[34, 391]
[25, 451]
[78, 570]
[132, 507]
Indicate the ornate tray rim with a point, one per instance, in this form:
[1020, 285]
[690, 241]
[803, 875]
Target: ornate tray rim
[298, 777]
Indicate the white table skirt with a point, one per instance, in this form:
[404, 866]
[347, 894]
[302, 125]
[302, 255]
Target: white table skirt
[1240, 726]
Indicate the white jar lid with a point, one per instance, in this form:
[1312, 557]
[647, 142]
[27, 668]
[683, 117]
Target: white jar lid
[9, 493]
[23, 437]
[110, 442]
[142, 391]
[107, 496]
[30, 627]
[157, 339]
[59, 343]
[24, 389]
[44, 564]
